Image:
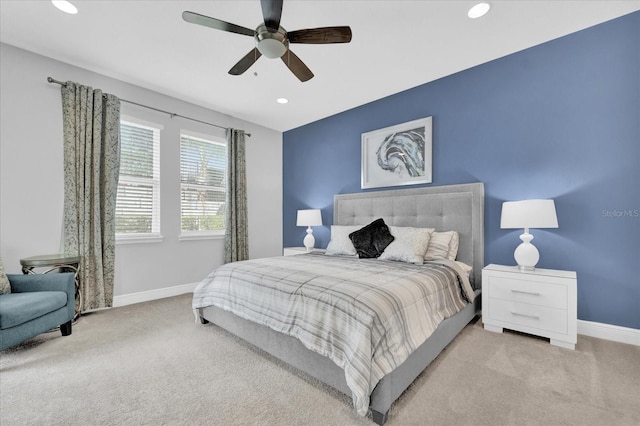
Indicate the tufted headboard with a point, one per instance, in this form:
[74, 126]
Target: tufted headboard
[446, 208]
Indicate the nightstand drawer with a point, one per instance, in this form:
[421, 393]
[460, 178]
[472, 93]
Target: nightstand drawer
[533, 316]
[529, 291]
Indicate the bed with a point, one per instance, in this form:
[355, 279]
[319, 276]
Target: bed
[457, 208]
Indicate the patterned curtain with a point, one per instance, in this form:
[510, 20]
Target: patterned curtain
[236, 242]
[91, 123]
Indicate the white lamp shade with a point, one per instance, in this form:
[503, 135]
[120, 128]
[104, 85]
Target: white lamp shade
[528, 214]
[309, 217]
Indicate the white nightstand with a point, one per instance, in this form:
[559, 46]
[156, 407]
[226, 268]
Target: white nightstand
[542, 302]
[291, 251]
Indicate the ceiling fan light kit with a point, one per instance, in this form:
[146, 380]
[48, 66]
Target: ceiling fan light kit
[272, 40]
[272, 44]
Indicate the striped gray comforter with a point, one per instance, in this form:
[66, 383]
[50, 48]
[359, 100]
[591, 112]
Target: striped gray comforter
[366, 315]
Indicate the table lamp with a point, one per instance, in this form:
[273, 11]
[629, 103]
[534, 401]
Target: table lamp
[528, 214]
[309, 218]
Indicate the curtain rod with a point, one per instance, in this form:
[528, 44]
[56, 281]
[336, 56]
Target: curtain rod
[172, 114]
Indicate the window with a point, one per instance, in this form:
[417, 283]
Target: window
[203, 171]
[138, 200]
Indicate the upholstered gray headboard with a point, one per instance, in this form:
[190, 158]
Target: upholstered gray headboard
[445, 208]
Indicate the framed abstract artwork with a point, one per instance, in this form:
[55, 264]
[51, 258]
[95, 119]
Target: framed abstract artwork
[398, 155]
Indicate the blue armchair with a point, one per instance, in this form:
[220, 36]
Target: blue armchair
[37, 303]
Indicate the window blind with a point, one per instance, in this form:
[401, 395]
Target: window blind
[138, 199]
[203, 171]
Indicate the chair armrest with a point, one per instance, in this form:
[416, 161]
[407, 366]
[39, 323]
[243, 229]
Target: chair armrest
[64, 281]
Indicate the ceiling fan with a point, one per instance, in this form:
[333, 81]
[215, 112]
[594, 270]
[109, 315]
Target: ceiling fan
[272, 40]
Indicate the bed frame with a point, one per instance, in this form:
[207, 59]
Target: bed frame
[445, 208]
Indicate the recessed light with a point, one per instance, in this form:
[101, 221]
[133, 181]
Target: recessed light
[478, 10]
[65, 6]
[282, 100]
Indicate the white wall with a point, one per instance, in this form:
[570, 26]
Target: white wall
[31, 175]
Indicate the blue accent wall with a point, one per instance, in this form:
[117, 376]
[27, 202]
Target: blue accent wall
[560, 120]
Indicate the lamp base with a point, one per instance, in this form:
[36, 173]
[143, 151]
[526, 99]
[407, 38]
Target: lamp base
[309, 241]
[526, 254]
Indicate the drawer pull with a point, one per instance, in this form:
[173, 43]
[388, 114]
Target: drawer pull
[530, 293]
[536, 317]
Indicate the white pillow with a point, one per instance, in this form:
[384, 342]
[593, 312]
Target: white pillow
[409, 244]
[443, 245]
[340, 243]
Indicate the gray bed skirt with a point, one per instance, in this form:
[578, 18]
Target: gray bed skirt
[291, 351]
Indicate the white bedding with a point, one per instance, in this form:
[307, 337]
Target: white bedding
[366, 315]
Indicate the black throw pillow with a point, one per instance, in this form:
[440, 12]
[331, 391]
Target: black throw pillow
[371, 240]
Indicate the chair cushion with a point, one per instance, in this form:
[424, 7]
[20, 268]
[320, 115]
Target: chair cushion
[18, 308]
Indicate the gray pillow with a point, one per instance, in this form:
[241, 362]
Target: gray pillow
[5, 287]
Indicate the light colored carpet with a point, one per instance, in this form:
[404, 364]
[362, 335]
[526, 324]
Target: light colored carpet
[150, 364]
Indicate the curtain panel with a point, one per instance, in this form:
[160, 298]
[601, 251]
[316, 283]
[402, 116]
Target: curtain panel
[91, 123]
[236, 242]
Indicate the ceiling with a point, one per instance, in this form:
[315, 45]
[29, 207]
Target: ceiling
[396, 45]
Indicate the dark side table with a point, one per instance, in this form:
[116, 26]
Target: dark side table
[55, 263]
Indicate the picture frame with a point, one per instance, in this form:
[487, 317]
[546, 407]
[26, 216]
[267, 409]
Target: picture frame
[398, 155]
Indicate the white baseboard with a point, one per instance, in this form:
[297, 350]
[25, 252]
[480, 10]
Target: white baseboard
[146, 296]
[615, 333]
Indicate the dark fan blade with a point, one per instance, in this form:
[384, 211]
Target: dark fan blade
[272, 12]
[196, 18]
[320, 35]
[244, 63]
[296, 66]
